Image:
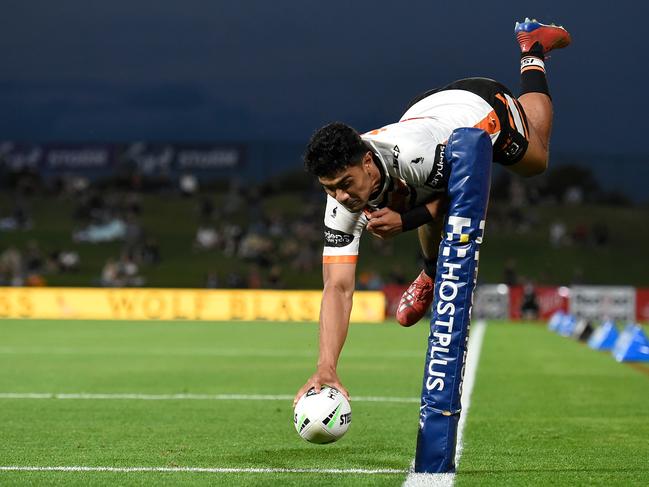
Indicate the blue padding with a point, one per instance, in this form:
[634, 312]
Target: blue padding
[469, 153]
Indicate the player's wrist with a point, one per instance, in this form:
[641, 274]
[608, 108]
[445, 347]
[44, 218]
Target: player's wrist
[326, 367]
[415, 218]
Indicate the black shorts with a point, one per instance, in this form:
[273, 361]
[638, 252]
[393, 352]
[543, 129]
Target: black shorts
[511, 144]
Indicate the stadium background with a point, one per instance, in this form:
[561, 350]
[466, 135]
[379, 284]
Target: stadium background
[150, 151]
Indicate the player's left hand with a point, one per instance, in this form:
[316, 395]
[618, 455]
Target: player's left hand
[385, 223]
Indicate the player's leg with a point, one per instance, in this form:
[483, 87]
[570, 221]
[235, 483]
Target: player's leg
[536, 40]
[538, 109]
[429, 237]
[419, 296]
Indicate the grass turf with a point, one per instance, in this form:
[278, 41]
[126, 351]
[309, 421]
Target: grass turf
[545, 409]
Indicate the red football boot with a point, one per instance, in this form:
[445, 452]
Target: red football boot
[550, 37]
[416, 300]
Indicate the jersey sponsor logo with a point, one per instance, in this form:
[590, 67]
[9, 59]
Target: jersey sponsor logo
[336, 238]
[419, 160]
[334, 212]
[395, 156]
[439, 174]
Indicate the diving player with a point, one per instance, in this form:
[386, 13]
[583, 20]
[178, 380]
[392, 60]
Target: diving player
[393, 179]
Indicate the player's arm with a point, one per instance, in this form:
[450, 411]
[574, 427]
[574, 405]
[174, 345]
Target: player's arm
[334, 322]
[342, 232]
[386, 223]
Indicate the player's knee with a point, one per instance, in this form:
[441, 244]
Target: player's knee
[534, 162]
[540, 164]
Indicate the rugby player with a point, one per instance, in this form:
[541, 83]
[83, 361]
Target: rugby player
[393, 179]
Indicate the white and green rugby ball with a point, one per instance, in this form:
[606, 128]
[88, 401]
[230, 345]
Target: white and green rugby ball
[324, 417]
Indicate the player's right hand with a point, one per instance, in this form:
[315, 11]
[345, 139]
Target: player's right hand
[322, 377]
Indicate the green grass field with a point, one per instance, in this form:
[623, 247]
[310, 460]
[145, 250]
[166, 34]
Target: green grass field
[545, 410]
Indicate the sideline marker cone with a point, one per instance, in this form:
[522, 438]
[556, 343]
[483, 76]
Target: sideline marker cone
[555, 321]
[604, 337]
[632, 346]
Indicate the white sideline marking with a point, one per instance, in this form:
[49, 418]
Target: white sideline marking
[473, 356]
[206, 352]
[202, 470]
[182, 397]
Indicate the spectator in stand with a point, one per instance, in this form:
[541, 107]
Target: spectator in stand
[151, 252]
[254, 278]
[212, 280]
[369, 281]
[134, 235]
[188, 185]
[530, 304]
[69, 261]
[306, 260]
[557, 234]
[207, 238]
[110, 274]
[35, 280]
[232, 234]
[33, 258]
[277, 226]
[11, 267]
[257, 248]
[235, 281]
[129, 272]
[275, 277]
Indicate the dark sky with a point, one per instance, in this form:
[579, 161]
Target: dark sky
[84, 70]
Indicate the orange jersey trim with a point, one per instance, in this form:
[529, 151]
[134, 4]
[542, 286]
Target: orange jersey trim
[535, 68]
[509, 111]
[339, 259]
[490, 123]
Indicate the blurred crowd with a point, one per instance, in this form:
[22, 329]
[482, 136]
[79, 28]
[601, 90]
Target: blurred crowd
[257, 244]
[267, 242]
[30, 266]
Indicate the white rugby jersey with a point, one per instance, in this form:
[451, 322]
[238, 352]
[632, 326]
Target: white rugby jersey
[407, 151]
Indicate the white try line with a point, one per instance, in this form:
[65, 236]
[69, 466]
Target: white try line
[476, 338]
[184, 397]
[361, 471]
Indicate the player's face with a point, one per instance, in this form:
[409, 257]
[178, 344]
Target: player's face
[352, 186]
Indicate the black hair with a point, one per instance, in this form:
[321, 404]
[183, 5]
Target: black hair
[333, 148]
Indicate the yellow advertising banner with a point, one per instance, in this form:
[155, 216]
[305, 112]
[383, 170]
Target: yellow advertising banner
[177, 304]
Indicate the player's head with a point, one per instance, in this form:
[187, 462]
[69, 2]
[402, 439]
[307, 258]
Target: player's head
[343, 164]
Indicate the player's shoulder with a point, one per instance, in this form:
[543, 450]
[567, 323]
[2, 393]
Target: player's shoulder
[337, 217]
